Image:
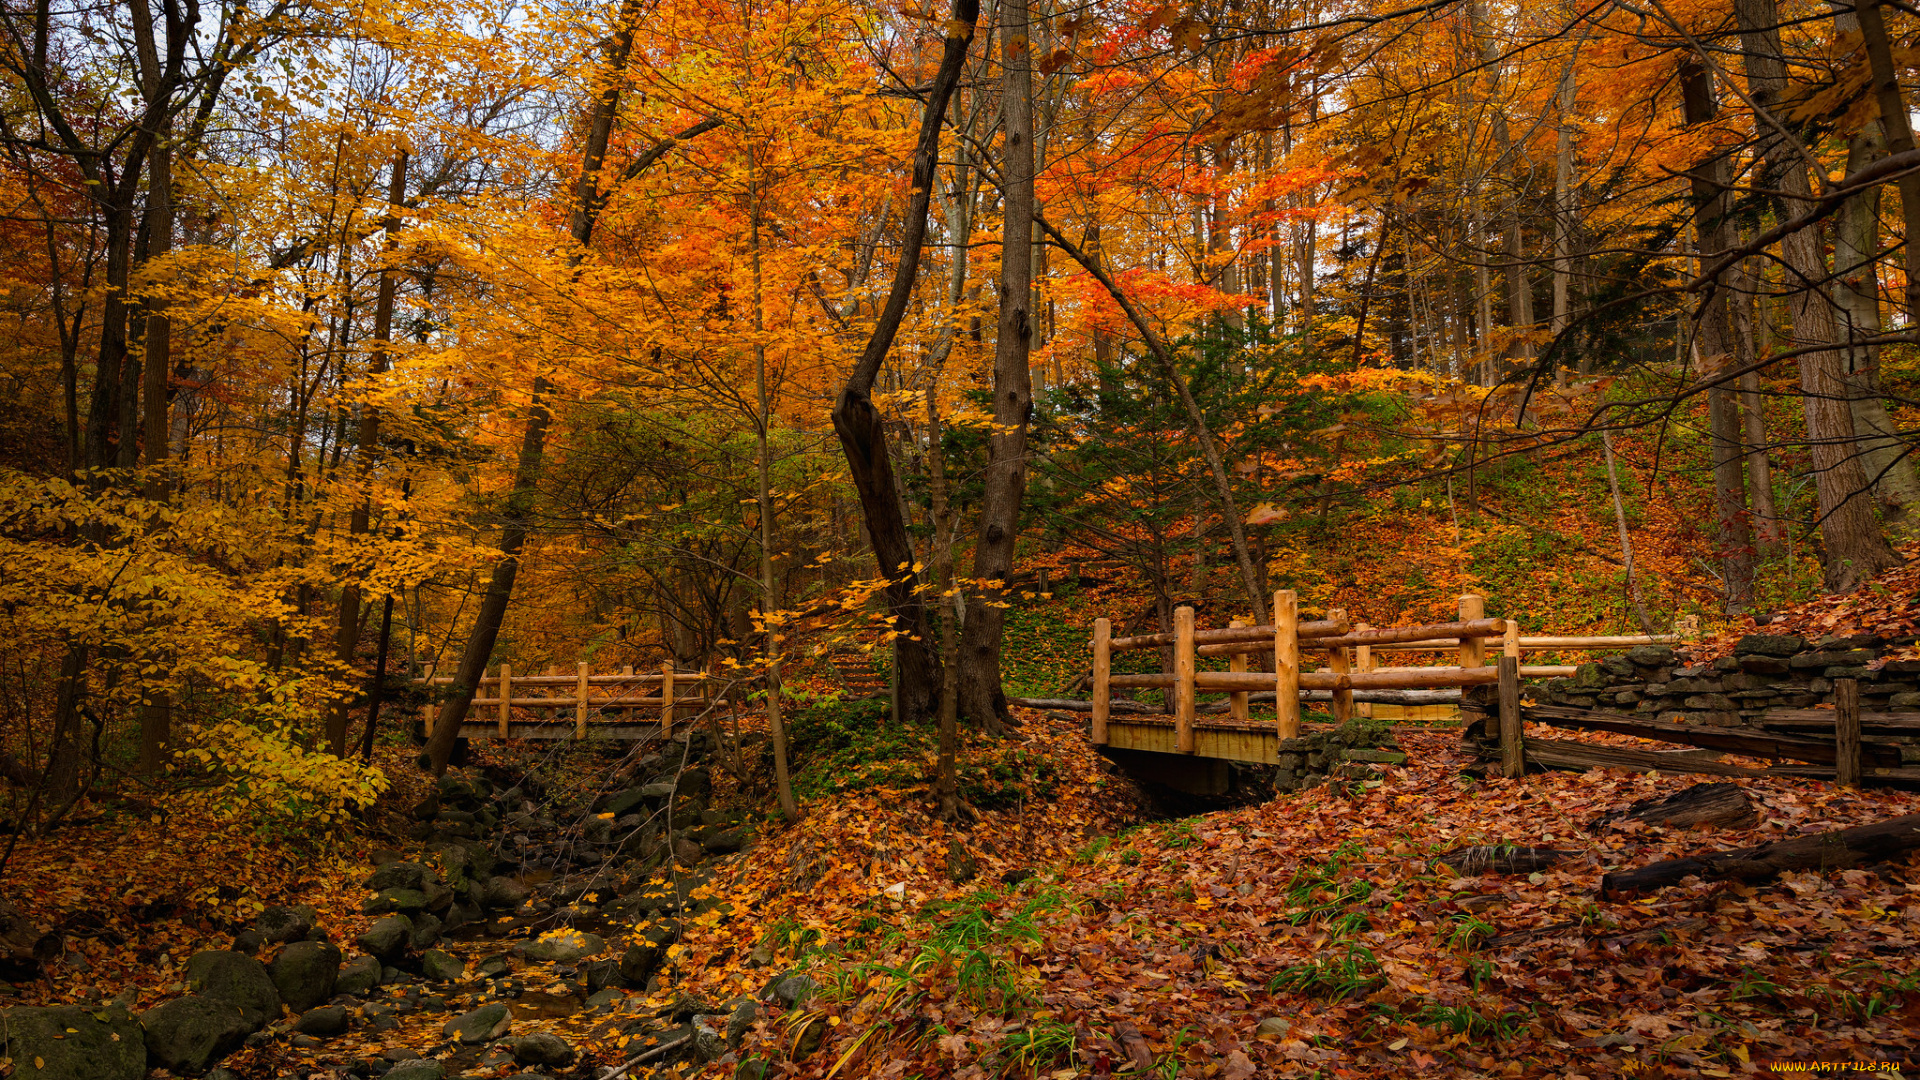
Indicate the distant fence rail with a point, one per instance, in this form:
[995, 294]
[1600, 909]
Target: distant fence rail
[625, 694]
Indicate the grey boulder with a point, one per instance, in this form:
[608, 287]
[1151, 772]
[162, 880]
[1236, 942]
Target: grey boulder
[73, 1043]
[237, 979]
[278, 925]
[305, 973]
[325, 1020]
[388, 937]
[358, 975]
[189, 1034]
[398, 875]
[500, 894]
[540, 1048]
[484, 1024]
[441, 966]
[417, 1069]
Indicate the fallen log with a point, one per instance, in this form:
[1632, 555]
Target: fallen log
[1502, 859]
[1579, 757]
[1821, 851]
[1117, 705]
[1898, 722]
[1722, 804]
[1732, 740]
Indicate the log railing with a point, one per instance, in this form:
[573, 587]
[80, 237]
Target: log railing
[1349, 649]
[673, 693]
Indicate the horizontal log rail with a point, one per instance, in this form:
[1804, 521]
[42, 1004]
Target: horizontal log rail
[585, 692]
[1249, 635]
[1350, 667]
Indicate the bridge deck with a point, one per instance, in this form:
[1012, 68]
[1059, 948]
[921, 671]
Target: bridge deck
[1252, 741]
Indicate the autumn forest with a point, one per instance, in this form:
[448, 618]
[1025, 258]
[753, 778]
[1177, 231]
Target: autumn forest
[566, 540]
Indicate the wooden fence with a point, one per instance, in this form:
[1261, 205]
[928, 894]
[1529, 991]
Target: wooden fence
[672, 693]
[1350, 664]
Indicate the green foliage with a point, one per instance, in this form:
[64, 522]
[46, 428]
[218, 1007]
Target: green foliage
[1474, 1024]
[259, 773]
[841, 745]
[1351, 972]
[978, 938]
[1041, 1046]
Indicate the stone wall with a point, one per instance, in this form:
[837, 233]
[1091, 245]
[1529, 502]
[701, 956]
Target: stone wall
[1766, 671]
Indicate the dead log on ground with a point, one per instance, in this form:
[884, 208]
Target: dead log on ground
[1725, 805]
[1502, 859]
[1821, 851]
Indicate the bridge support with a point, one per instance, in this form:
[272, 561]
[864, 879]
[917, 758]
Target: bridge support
[1181, 772]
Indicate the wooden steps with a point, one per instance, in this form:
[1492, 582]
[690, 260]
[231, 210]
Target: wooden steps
[857, 676]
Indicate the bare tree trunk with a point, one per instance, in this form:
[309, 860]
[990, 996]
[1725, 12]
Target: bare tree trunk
[858, 423]
[1768, 529]
[946, 783]
[530, 462]
[783, 782]
[982, 699]
[1251, 576]
[346, 638]
[1855, 548]
[1626, 540]
[1710, 181]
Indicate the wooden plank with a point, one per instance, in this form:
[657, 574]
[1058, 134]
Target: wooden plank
[601, 702]
[1465, 628]
[1159, 680]
[1472, 653]
[666, 693]
[1183, 667]
[628, 678]
[580, 704]
[1579, 756]
[1340, 660]
[1102, 669]
[1237, 701]
[1363, 662]
[1512, 748]
[1548, 642]
[1731, 740]
[1254, 745]
[1846, 732]
[1286, 664]
[1405, 679]
[1898, 722]
[1246, 634]
[505, 696]
[561, 729]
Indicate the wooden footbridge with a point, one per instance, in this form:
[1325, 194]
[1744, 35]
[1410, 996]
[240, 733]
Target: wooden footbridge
[1348, 664]
[623, 705]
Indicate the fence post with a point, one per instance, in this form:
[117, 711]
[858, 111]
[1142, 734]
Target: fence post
[1473, 653]
[506, 695]
[1340, 661]
[666, 697]
[1286, 664]
[1102, 667]
[1846, 732]
[1237, 700]
[1183, 667]
[1512, 752]
[426, 711]
[1363, 662]
[580, 706]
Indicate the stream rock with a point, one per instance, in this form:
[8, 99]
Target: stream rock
[482, 1025]
[540, 1048]
[388, 937]
[357, 976]
[279, 925]
[188, 1034]
[73, 1043]
[238, 979]
[305, 973]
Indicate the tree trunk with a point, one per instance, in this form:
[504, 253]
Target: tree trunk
[763, 495]
[1855, 549]
[1710, 181]
[1821, 851]
[858, 424]
[1626, 539]
[533, 441]
[982, 699]
[346, 638]
[946, 782]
